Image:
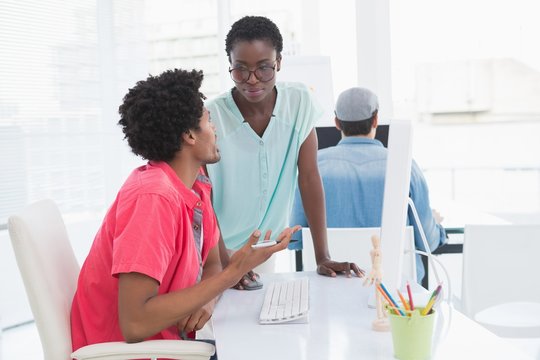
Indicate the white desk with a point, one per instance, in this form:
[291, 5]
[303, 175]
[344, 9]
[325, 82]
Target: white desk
[339, 328]
[456, 216]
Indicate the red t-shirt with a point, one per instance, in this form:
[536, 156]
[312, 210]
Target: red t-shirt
[149, 230]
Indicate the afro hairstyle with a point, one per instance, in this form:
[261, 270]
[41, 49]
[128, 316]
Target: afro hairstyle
[157, 111]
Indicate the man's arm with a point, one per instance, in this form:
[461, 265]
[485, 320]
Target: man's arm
[224, 258]
[312, 193]
[435, 233]
[143, 312]
[197, 319]
[213, 265]
[223, 255]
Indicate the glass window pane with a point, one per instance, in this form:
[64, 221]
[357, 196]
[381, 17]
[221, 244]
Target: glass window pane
[469, 72]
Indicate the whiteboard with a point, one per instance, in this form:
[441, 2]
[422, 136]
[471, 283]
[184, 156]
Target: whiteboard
[316, 73]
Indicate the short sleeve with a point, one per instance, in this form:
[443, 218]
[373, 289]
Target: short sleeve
[145, 236]
[309, 112]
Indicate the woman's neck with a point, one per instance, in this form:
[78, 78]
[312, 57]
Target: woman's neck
[258, 114]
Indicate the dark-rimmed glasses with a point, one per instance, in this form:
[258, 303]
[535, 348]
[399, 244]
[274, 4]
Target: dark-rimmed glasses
[263, 73]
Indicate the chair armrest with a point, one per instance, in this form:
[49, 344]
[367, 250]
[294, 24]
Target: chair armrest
[170, 349]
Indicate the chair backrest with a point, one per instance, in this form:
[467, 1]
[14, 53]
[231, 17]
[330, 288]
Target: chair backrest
[354, 244]
[500, 265]
[49, 270]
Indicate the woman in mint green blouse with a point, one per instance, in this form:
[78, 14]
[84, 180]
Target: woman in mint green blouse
[267, 142]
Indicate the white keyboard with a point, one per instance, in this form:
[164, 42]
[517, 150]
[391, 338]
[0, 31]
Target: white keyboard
[286, 302]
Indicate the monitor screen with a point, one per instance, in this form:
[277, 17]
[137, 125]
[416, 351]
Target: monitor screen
[330, 136]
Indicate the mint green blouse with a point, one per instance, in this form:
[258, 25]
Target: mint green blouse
[255, 180]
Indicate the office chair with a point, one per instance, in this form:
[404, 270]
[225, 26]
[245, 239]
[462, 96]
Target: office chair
[500, 287]
[50, 270]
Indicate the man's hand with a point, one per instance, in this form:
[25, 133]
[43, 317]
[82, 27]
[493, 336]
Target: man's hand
[437, 216]
[196, 320]
[332, 268]
[246, 258]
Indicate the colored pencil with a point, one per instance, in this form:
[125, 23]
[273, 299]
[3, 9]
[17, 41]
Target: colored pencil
[431, 301]
[411, 305]
[403, 301]
[388, 294]
[390, 301]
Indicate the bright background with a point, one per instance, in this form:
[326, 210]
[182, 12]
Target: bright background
[467, 73]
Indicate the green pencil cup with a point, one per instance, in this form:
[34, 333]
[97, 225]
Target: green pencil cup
[412, 335]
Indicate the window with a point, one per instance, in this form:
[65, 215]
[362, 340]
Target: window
[52, 117]
[50, 105]
[468, 72]
[65, 68]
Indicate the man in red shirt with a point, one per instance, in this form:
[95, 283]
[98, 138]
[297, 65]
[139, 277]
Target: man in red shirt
[153, 271]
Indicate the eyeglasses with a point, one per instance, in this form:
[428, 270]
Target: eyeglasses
[263, 73]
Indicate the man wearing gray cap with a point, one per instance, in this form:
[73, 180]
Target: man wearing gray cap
[353, 174]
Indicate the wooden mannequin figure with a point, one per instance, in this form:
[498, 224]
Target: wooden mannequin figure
[381, 323]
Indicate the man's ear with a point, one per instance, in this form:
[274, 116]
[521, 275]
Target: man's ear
[338, 125]
[278, 63]
[188, 137]
[375, 122]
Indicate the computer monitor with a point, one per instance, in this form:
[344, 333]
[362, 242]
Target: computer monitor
[396, 192]
[330, 135]
[395, 202]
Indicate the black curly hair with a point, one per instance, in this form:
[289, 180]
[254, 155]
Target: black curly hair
[251, 28]
[158, 110]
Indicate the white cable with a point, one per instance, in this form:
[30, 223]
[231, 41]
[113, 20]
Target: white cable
[449, 297]
[439, 263]
[432, 261]
[446, 275]
[424, 239]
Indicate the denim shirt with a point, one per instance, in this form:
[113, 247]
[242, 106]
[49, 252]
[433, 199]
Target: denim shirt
[353, 174]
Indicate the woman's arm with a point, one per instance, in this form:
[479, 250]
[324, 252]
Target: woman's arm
[312, 193]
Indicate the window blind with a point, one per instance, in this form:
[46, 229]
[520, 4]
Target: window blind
[64, 67]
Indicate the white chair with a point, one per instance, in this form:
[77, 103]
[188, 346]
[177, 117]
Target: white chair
[501, 286]
[50, 270]
[354, 244]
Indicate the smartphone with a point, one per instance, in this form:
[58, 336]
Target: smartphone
[263, 244]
